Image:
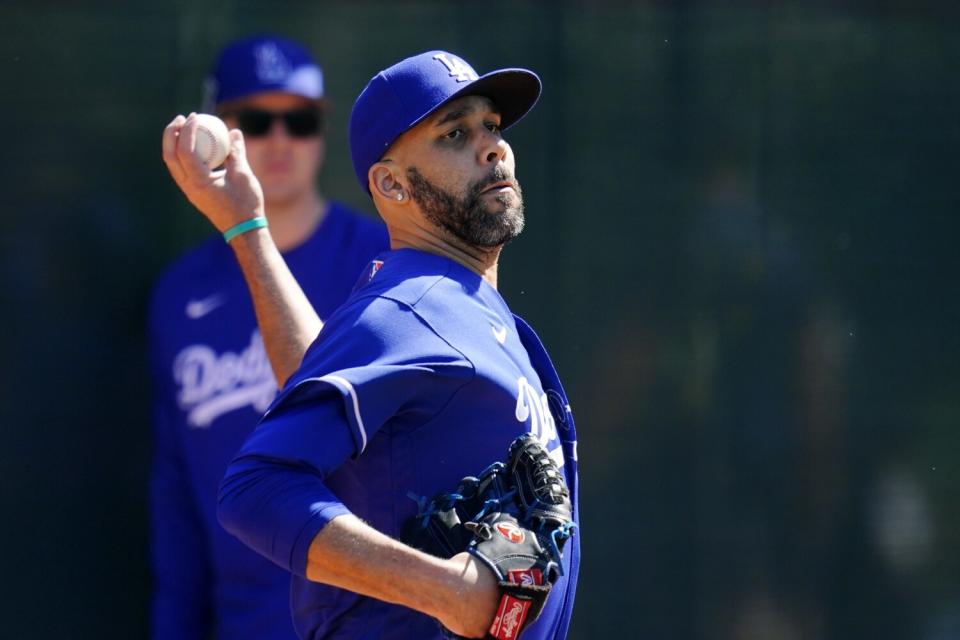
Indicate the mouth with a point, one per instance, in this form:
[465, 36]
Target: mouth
[499, 186]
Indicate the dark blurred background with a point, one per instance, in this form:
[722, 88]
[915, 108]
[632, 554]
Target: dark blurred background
[739, 252]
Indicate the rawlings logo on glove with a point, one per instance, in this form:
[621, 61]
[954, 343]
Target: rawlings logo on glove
[515, 518]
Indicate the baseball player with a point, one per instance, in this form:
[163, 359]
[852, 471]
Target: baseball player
[209, 362]
[423, 377]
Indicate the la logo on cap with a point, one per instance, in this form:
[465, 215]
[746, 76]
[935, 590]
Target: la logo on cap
[272, 65]
[457, 67]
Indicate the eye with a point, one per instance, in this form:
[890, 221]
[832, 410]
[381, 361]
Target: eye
[493, 127]
[456, 134]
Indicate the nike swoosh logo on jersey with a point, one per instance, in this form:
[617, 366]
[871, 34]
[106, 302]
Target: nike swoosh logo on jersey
[500, 334]
[196, 309]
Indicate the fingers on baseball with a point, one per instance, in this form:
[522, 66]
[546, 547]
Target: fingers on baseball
[237, 158]
[171, 135]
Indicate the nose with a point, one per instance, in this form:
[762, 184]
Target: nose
[278, 130]
[493, 148]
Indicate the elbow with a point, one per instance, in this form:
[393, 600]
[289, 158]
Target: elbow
[243, 491]
[275, 509]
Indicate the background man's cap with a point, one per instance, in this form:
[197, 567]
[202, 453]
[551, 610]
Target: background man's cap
[261, 64]
[401, 96]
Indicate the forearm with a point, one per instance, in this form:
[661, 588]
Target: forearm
[287, 320]
[292, 518]
[459, 592]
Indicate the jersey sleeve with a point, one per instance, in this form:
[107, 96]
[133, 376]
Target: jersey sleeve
[181, 598]
[371, 366]
[383, 361]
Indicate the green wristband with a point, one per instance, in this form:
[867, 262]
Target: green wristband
[247, 225]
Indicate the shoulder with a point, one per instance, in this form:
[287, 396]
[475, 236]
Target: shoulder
[411, 277]
[356, 224]
[379, 324]
[443, 295]
[177, 280]
[209, 256]
[373, 330]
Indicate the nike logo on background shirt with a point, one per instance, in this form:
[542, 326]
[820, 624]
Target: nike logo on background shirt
[500, 334]
[196, 309]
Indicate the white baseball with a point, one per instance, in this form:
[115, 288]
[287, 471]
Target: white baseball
[212, 141]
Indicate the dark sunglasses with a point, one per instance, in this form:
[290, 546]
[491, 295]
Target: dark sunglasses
[300, 123]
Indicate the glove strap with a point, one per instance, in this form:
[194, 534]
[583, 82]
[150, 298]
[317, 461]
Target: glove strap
[519, 606]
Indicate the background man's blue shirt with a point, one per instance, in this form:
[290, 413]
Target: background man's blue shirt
[212, 383]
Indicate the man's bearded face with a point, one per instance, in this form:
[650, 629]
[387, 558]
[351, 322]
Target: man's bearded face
[480, 220]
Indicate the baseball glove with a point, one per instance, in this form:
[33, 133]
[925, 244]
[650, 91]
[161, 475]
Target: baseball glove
[515, 518]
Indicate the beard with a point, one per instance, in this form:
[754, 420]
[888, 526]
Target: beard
[466, 216]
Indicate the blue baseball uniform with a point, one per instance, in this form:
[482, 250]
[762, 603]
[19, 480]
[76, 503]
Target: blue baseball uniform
[212, 384]
[422, 377]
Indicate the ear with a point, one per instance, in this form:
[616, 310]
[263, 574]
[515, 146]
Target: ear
[383, 182]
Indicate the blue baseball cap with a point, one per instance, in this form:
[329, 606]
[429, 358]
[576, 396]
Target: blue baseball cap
[261, 64]
[401, 96]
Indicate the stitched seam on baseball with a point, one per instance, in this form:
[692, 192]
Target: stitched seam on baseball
[211, 145]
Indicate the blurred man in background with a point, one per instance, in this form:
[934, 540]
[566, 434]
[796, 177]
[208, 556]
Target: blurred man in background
[212, 378]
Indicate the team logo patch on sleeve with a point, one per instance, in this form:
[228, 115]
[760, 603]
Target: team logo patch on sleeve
[367, 274]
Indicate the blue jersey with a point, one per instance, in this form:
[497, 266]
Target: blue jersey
[212, 383]
[423, 377]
